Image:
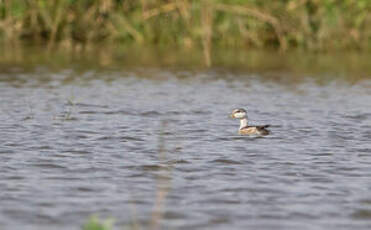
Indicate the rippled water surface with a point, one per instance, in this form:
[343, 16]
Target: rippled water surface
[157, 149]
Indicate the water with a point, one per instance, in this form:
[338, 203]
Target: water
[156, 149]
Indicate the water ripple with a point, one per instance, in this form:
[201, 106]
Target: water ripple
[130, 147]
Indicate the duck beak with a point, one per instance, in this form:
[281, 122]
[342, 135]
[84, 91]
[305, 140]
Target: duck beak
[231, 116]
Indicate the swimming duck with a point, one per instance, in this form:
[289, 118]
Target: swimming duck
[246, 129]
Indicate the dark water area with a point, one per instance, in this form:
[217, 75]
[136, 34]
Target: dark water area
[155, 148]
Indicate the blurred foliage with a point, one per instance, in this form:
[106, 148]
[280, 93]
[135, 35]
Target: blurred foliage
[318, 25]
[95, 224]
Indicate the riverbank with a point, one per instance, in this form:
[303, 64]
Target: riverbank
[206, 25]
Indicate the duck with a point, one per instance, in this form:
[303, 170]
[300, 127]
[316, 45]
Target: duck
[245, 129]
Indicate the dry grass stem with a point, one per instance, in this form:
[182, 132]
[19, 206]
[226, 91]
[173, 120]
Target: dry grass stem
[243, 10]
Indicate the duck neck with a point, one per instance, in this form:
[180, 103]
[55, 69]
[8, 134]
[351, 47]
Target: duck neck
[243, 122]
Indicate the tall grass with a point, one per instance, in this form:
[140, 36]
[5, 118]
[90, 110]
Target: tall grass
[318, 25]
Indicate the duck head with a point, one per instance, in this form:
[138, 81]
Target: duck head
[238, 114]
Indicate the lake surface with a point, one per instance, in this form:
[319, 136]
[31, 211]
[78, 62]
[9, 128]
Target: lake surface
[155, 148]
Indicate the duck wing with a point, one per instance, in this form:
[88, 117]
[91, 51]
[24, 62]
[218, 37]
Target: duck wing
[257, 130]
[262, 129]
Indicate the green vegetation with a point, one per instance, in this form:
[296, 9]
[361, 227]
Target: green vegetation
[317, 25]
[95, 224]
[311, 24]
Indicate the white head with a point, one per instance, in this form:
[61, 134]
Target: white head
[239, 114]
